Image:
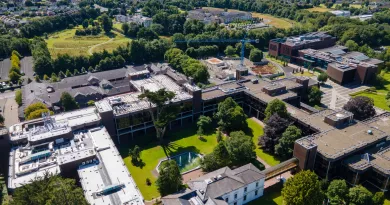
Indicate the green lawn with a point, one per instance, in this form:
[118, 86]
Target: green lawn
[183, 140]
[271, 196]
[258, 131]
[380, 94]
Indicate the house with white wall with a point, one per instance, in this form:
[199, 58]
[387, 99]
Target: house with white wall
[222, 187]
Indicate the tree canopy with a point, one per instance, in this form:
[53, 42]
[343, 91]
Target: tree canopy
[337, 192]
[303, 189]
[106, 22]
[359, 195]
[256, 55]
[35, 111]
[203, 124]
[230, 116]
[49, 189]
[362, 107]
[276, 106]
[322, 78]
[166, 111]
[273, 130]
[68, 102]
[169, 180]
[285, 147]
[315, 96]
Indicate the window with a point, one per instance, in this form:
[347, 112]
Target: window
[245, 189]
[257, 191]
[257, 184]
[227, 199]
[235, 196]
[245, 198]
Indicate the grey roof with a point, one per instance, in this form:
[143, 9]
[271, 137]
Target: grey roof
[215, 202]
[179, 198]
[231, 180]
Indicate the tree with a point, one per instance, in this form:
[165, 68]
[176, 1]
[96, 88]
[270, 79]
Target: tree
[157, 28]
[276, 106]
[256, 55]
[35, 111]
[230, 51]
[337, 192]
[85, 23]
[285, 147]
[165, 110]
[170, 179]
[362, 107]
[1, 119]
[76, 72]
[68, 73]
[135, 153]
[107, 23]
[68, 102]
[14, 76]
[275, 126]
[219, 136]
[303, 189]
[315, 95]
[147, 34]
[352, 45]
[219, 158]
[231, 116]
[241, 148]
[203, 123]
[322, 78]
[91, 103]
[359, 195]
[18, 97]
[54, 77]
[45, 77]
[378, 199]
[125, 28]
[49, 189]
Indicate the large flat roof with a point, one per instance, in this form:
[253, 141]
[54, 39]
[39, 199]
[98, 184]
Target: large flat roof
[110, 171]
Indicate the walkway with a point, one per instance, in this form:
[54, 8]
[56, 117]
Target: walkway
[94, 46]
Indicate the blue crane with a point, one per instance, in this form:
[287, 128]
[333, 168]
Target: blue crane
[242, 41]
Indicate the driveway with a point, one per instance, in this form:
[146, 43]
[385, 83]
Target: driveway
[26, 66]
[9, 108]
[5, 65]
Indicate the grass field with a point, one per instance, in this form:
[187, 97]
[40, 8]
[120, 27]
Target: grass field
[306, 74]
[380, 94]
[66, 42]
[319, 9]
[183, 140]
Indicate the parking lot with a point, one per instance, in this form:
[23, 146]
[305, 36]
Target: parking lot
[26, 66]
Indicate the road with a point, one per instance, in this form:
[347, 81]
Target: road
[5, 65]
[26, 66]
[9, 108]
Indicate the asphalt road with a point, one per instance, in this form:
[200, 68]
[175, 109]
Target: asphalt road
[26, 66]
[5, 65]
[9, 108]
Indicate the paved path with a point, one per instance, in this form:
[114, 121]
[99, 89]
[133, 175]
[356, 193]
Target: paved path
[9, 108]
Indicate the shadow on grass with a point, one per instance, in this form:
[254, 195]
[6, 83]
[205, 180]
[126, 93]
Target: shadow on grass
[138, 163]
[171, 149]
[111, 34]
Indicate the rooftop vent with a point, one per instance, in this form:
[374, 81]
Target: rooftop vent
[369, 132]
[208, 181]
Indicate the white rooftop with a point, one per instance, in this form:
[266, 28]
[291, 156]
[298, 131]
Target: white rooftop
[110, 171]
[128, 103]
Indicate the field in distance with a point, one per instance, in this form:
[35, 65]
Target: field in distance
[66, 41]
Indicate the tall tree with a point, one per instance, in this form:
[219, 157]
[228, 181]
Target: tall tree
[231, 116]
[170, 179]
[85, 23]
[68, 102]
[322, 78]
[241, 148]
[35, 111]
[337, 192]
[49, 189]
[362, 107]
[107, 23]
[272, 132]
[315, 95]
[230, 51]
[359, 195]
[378, 198]
[303, 189]
[203, 123]
[161, 109]
[18, 97]
[135, 153]
[256, 55]
[217, 159]
[276, 106]
[285, 147]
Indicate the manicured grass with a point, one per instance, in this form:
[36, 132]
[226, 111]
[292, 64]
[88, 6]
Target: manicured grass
[306, 74]
[271, 196]
[275, 21]
[117, 26]
[183, 140]
[380, 94]
[257, 131]
[65, 42]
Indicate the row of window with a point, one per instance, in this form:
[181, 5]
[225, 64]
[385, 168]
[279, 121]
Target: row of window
[245, 196]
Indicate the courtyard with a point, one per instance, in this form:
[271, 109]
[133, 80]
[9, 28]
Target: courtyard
[183, 140]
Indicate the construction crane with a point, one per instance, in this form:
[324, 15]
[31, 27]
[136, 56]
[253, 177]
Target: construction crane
[242, 41]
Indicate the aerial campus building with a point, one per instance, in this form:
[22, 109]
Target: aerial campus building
[318, 50]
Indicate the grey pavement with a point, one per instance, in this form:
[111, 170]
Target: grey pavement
[5, 65]
[9, 108]
[26, 66]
